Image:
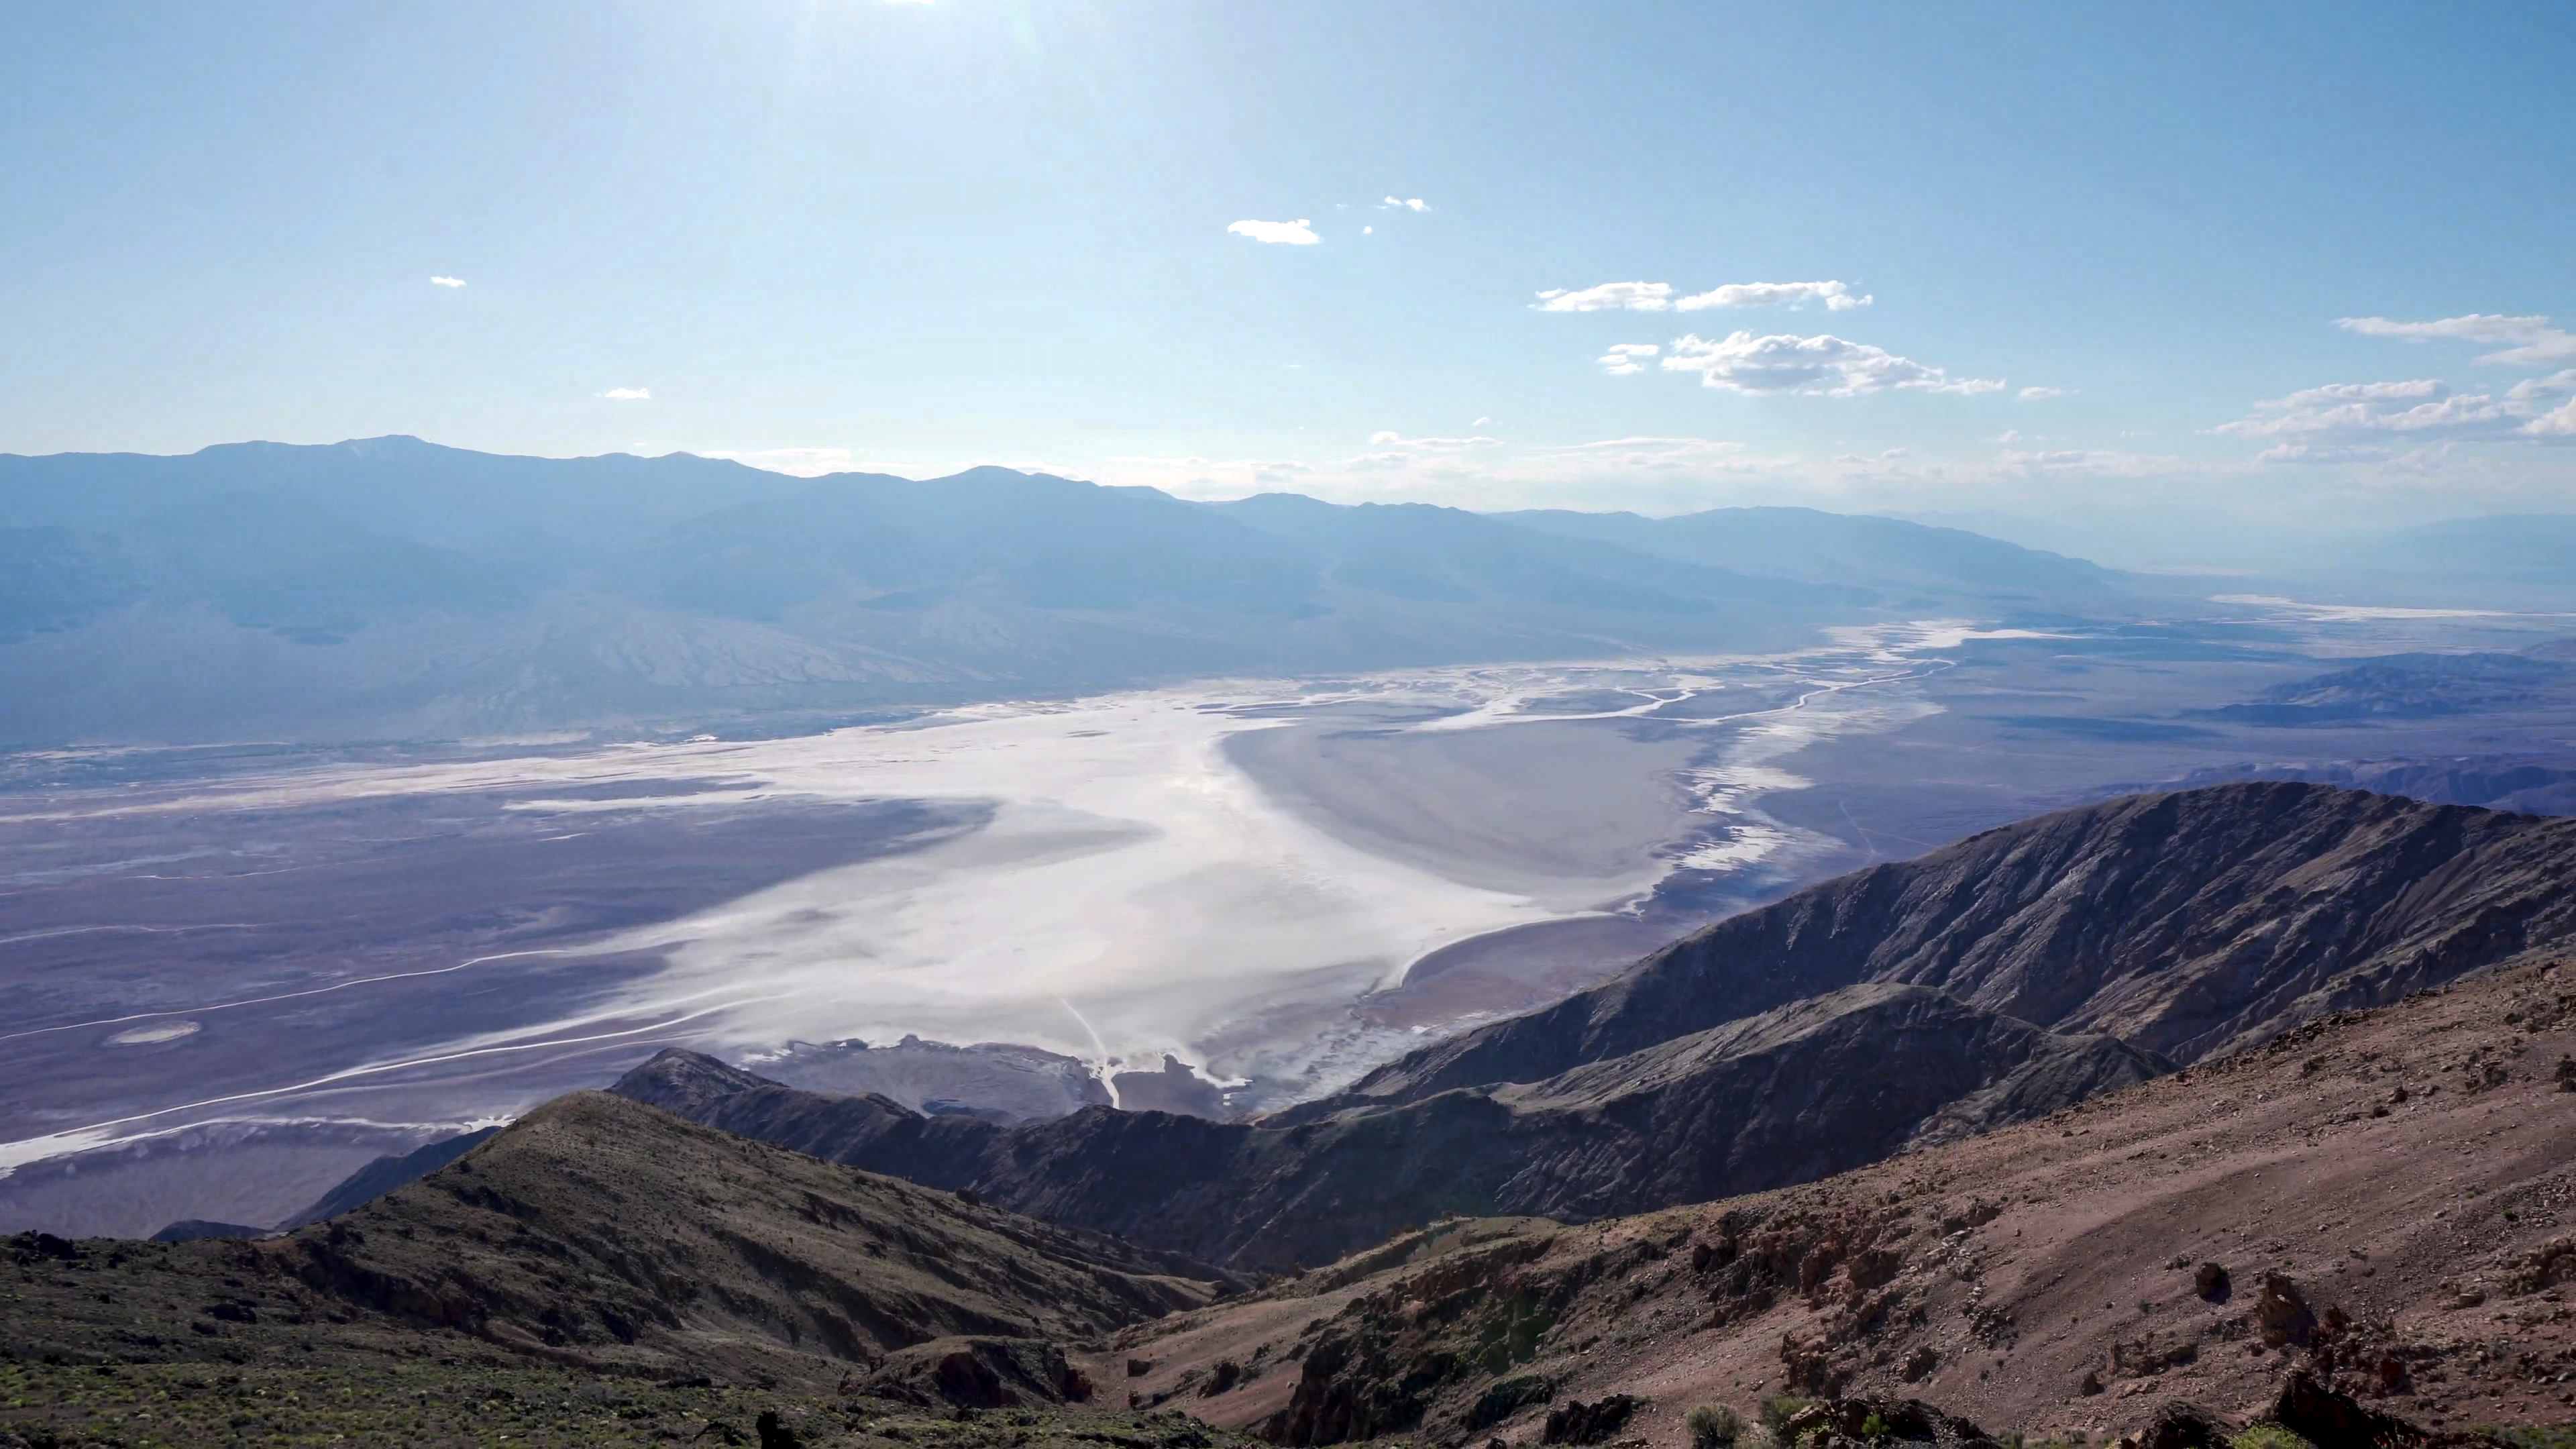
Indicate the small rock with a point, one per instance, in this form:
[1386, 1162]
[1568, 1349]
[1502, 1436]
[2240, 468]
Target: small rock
[2209, 1280]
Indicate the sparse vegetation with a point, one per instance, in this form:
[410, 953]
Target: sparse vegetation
[436, 1405]
[1714, 1426]
[2268, 1436]
[1776, 1413]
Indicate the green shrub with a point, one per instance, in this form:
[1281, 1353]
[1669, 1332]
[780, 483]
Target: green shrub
[2268, 1436]
[1873, 1427]
[1714, 1426]
[1775, 1417]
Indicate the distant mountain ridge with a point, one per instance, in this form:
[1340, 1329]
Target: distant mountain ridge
[392, 588]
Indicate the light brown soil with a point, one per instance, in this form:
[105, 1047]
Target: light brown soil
[2028, 1260]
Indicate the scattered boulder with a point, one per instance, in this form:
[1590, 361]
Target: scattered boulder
[2551, 1263]
[2330, 1420]
[2143, 1358]
[2280, 1315]
[2179, 1425]
[1506, 1397]
[2210, 1281]
[978, 1373]
[1576, 1422]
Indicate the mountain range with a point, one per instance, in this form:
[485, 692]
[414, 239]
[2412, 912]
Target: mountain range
[1989, 982]
[394, 588]
[2258, 1091]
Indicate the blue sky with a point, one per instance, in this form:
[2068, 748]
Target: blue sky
[2108, 251]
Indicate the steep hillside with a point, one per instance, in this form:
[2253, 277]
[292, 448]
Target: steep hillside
[602, 1234]
[2383, 1199]
[2185, 923]
[1998, 979]
[1810, 1088]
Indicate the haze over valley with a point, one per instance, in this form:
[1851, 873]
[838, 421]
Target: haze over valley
[1025, 724]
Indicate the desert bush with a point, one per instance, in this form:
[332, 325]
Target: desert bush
[1714, 1426]
[1775, 1417]
[2268, 1436]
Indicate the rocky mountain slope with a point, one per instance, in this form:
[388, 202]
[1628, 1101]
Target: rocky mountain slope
[602, 1234]
[1810, 1088]
[2185, 923]
[2382, 1199]
[1987, 983]
[2376, 1206]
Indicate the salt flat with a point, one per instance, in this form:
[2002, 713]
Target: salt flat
[1282, 882]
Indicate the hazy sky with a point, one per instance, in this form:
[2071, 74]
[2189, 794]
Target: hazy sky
[2082, 263]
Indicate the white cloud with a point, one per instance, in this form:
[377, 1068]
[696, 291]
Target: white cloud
[447, 281]
[2343, 414]
[2081, 460]
[1658, 297]
[2525, 341]
[2362, 421]
[1625, 359]
[1389, 438]
[2321, 453]
[2036, 393]
[1415, 203]
[1368, 231]
[1610, 297]
[628, 394]
[1835, 296]
[1298, 233]
[1822, 366]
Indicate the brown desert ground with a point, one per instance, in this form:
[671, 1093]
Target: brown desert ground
[2385, 1195]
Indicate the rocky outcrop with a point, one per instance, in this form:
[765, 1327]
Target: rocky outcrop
[978, 1373]
[1809, 1089]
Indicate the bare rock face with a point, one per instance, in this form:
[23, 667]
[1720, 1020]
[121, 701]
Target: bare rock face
[1811, 1088]
[2178, 1425]
[2280, 1315]
[2185, 923]
[1576, 1422]
[2331, 1420]
[978, 1373]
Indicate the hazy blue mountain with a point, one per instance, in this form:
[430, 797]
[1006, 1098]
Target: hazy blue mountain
[394, 588]
[2415, 686]
[1837, 548]
[449, 497]
[2532, 548]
